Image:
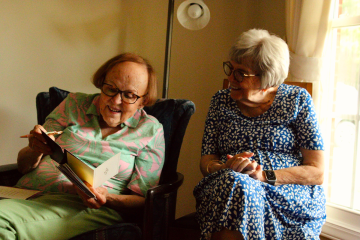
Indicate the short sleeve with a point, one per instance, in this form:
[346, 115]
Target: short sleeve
[306, 124]
[210, 137]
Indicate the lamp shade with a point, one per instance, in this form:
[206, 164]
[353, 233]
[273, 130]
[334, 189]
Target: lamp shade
[193, 14]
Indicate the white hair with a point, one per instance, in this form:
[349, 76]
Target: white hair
[264, 53]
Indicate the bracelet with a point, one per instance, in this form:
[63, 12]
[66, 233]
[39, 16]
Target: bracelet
[217, 161]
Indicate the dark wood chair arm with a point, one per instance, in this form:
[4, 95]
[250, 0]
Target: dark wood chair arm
[168, 187]
[8, 167]
[161, 197]
[9, 175]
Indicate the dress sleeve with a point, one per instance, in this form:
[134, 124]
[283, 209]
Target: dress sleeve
[149, 163]
[211, 132]
[307, 126]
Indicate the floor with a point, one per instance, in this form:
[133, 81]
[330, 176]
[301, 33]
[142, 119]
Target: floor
[184, 234]
[188, 234]
[324, 238]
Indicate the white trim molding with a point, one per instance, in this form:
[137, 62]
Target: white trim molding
[341, 223]
[345, 22]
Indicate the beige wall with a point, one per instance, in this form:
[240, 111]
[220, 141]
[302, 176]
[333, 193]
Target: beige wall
[61, 43]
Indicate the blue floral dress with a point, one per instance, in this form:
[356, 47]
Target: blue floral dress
[256, 209]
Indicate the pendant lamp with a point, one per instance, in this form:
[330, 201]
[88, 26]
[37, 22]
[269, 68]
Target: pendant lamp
[192, 15]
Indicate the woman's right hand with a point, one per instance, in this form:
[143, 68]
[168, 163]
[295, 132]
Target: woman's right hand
[36, 141]
[241, 163]
[30, 156]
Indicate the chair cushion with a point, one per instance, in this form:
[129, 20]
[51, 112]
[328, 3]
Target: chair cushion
[42, 106]
[117, 231]
[57, 95]
[47, 101]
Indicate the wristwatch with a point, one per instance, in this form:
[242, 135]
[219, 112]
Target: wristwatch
[270, 176]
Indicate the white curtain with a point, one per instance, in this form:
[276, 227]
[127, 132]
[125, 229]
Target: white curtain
[306, 29]
[307, 26]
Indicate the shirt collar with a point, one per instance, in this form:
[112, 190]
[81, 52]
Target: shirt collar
[134, 120]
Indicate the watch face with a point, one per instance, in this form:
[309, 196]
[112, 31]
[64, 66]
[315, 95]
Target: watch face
[271, 175]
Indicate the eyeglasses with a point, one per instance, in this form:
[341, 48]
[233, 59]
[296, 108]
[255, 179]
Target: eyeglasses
[238, 74]
[127, 97]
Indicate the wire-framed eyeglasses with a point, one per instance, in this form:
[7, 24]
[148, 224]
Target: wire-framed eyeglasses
[126, 96]
[238, 74]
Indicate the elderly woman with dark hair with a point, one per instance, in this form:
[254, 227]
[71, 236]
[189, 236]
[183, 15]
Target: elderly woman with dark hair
[95, 127]
[262, 152]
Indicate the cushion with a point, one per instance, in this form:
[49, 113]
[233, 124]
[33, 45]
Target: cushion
[47, 101]
[57, 95]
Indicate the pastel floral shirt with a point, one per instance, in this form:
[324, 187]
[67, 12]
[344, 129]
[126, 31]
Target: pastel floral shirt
[140, 141]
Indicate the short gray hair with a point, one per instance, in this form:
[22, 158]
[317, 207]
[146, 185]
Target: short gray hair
[264, 53]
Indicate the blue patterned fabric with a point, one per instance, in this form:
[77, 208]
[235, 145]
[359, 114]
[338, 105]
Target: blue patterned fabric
[256, 209]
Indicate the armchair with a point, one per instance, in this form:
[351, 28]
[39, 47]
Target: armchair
[160, 201]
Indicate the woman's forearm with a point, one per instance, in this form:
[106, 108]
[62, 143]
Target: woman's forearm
[209, 165]
[240, 162]
[28, 159]
[125, 203]
[304, 175]
[311, 172]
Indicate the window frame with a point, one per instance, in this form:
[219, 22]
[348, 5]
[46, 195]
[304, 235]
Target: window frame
[341, 222]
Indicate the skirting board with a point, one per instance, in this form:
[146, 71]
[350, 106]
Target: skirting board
[336, 232]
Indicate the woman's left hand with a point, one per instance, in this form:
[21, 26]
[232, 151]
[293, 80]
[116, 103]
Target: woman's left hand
[99, 192]
[257, 174]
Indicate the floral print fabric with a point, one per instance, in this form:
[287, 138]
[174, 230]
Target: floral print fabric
[256, 209]
[140, 141]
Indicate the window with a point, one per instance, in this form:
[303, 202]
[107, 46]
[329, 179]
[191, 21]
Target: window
[341, 117]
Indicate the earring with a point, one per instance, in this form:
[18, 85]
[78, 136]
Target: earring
[263, 90]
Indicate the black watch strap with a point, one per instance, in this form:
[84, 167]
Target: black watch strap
[270, 176]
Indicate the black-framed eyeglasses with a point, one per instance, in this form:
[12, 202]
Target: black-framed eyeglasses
[238, 74]
[126, 96]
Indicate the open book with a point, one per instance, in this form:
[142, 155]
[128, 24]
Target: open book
[77, 171]
[17, 193]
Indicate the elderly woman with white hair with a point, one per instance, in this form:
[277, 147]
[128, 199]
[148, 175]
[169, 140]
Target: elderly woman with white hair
[262, 151]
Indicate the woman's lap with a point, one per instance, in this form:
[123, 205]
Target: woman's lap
[238, 202]
[51, 216]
